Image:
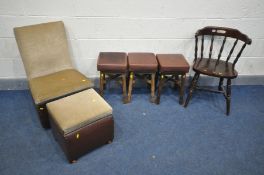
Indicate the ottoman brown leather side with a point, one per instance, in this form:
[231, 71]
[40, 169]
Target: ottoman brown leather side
[81, 123]
[171, 66]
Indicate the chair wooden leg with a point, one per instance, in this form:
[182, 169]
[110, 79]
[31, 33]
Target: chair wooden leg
[131, 77]
[228, 96]
[102, 83]
[124, 88]
[220, 84]
[192, 88]
[160, 85]
[181, 89]
[153, 97]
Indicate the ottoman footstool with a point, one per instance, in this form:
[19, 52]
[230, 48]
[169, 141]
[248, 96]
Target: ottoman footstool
[81, 123]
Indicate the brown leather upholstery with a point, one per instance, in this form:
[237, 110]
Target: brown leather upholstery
[142, 62]
[172, 63]
[85, 139]
[213, 69]
[112, 62]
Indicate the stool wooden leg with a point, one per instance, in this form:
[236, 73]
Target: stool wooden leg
[102, 83]
[161, 82]
[124, 88]
[192, 88]
[176, 82]
[228, 96]
[181, 89]
[153, 97]
[131, 77]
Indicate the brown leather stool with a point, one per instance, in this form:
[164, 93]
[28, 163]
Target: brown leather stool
[112, 64]
[171, 66]
[142, 64]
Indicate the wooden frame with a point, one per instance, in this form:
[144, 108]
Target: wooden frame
[150, 81]
[111, 76]
[177, 78]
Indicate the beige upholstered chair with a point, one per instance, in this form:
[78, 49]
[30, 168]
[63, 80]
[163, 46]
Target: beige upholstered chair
[46, 58]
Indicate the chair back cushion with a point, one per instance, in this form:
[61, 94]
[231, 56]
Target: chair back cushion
[43, 48]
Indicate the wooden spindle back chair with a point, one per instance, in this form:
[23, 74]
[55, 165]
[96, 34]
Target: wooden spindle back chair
[216, 64]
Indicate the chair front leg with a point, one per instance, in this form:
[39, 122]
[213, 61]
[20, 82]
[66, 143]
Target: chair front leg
[153, 97]
[131, 77]
[181, 90]
[161, 82]
[228, 96]
[192, 88]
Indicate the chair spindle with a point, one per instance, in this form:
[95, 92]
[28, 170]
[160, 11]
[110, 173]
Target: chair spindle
[221, 49]
[211, 47]
[202, 46]
[239, 54]
[232, 50]
[196, 48]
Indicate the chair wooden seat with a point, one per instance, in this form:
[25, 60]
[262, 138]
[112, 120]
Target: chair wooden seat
[215, 68]
[112, 65]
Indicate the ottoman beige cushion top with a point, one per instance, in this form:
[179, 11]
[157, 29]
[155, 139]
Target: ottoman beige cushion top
[78, 110]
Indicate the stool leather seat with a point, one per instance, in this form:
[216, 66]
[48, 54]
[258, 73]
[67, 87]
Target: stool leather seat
[172, 63]
[142, 62]
[112, 62]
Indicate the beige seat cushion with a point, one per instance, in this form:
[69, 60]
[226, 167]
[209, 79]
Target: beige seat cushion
[55, 85]
[78, 110]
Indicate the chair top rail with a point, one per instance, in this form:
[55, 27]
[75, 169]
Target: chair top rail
[224, 31]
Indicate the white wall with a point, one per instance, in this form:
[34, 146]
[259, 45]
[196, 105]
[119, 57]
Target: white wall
[166, 26]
